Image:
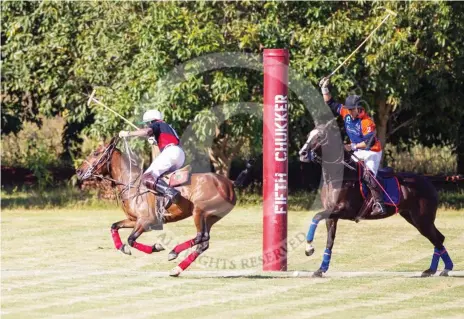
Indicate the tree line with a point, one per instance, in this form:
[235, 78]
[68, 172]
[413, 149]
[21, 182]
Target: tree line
[55, 53]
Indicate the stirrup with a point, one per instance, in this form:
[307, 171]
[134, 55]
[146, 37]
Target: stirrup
[171, 198]
[378, 209]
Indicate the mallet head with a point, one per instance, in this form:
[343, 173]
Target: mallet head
[91, 98]
[391, 12]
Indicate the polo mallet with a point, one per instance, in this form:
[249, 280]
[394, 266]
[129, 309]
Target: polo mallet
[390, 13]
[128, 150]
[93, 99]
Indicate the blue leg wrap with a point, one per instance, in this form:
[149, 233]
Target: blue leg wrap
[326, 260]
[446, 259]
[312, 230]
[435, 259]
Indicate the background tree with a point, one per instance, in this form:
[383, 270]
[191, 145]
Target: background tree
[53, 53]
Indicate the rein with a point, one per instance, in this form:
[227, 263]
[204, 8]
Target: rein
[339, 160]
[105, 159]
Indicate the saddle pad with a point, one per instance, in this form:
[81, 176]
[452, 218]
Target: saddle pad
[179, 177]
[390, 185]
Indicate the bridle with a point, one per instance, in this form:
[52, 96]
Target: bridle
[104, 159]
[323, 142]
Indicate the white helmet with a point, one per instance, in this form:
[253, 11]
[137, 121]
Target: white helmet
[152, 115]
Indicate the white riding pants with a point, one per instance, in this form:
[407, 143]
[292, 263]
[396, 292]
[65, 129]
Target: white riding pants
[170, 159]
[371, 159]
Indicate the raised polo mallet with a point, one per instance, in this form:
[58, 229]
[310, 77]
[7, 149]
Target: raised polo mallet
[390, 13]
[93, 99]
[155, 148]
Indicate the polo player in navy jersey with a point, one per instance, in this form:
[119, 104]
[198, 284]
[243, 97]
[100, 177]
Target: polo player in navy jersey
[365, 145]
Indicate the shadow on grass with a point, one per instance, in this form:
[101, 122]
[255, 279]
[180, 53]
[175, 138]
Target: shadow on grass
[67, 197]
[59, 197]
[309, 200]
[297, 200]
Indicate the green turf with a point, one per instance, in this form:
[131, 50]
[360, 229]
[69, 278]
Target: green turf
[60, 263]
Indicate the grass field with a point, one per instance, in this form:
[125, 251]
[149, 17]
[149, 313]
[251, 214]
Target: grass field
[60, 263]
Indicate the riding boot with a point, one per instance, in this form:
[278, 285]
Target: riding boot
[379, 207]
[172, 195]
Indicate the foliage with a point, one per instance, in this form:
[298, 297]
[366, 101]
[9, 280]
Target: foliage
[454, 200]
[55, 53]
[35, 148]
[421, 159]
[63, 197]
[68, 196]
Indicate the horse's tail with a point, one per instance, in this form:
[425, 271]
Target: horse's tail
[245, 177]
[423, 186]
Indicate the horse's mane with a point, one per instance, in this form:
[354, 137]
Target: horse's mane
[126, 162]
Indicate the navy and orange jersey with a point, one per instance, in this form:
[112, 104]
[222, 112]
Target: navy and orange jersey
[361, 129]
[164, 134]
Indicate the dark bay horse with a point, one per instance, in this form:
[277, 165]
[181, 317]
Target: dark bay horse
[341, 197]
[208, 197]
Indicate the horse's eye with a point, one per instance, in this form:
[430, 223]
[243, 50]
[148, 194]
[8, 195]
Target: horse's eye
[96, 153]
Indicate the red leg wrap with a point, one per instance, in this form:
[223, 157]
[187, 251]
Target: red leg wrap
[190, 259]
[116, 239]
[181, 247]
[145, 248]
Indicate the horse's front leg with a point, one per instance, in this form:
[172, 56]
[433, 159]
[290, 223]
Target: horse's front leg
[331, 231]
[312, 230]
[125, 223]
[139, 229]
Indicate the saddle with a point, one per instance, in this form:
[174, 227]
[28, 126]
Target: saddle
[387, 178]
[173, 179]
[178, 177]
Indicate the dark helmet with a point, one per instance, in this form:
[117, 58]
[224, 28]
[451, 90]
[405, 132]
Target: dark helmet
[353, 101]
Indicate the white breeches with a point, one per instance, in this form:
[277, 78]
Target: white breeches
[170, 159]
[371, 159]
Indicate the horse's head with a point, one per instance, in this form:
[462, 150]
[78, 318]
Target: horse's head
[316, 140]
[95, 163]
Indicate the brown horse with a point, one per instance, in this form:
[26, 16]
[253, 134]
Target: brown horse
[341, 197]
[207, 197]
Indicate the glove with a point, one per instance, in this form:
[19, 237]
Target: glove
[350, 147]
[324, 85]
[152, 140]
[124, 134]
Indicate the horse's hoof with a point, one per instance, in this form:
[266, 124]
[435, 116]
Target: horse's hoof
[445, 272]
[428, 273]
[125, 249]
[175, 271]
[309, 250]
[317, 274]
[157, 248]
[172, 255]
